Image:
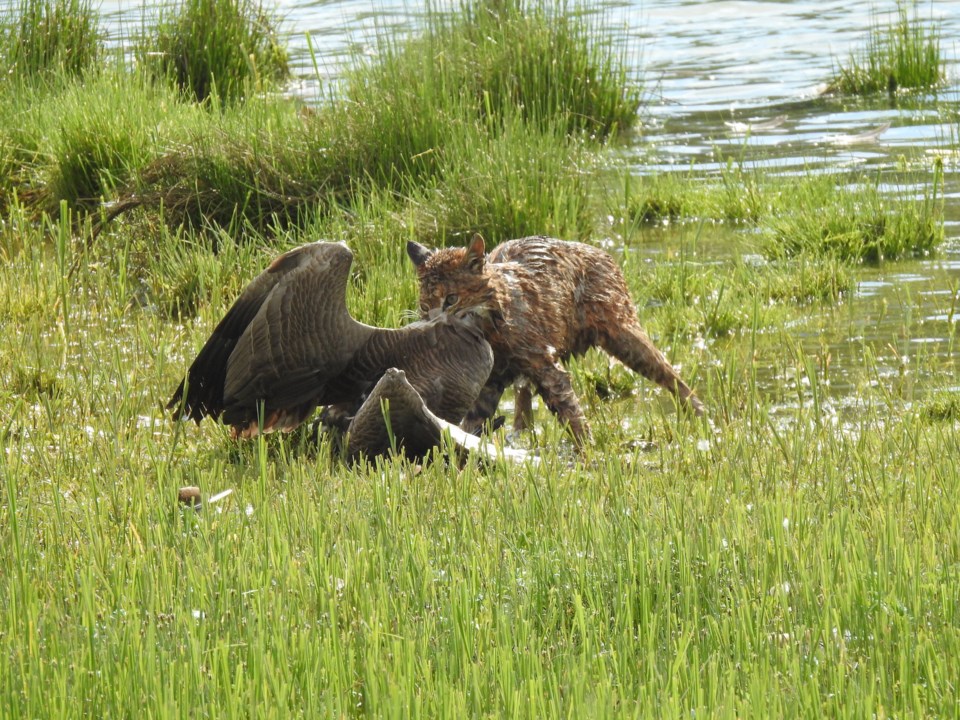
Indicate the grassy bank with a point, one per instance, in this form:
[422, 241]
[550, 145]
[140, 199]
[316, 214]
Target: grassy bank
[472, 125]
[794, 555]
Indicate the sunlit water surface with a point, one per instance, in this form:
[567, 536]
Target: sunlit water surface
[743, 79]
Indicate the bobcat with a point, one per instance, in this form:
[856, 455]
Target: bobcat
[541, 300]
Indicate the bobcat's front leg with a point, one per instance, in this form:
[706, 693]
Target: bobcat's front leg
[483, 408]
[554, 386]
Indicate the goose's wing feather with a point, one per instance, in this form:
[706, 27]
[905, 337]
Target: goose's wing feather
[453, 366]
[287, 335]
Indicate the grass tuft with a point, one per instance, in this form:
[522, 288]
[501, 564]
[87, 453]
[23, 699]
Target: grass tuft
[861, 223]
[941, 408]
[861, 220]
[49, 37]
[495, 57]
[901, 56]
[736, 196]
[226, 48]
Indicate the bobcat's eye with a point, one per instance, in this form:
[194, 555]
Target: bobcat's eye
[424, 308]
[451, 300]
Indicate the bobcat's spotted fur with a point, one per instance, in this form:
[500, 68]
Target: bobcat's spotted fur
[542, 300]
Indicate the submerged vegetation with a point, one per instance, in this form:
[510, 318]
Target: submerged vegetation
[794, 555]
[903, 55]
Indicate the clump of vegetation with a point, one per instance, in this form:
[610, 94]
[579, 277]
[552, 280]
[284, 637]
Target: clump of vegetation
[45, 37]
[514, 182]
[858, 223]
[227, 48]
[808, 214]
[903, 55]
[96, 148]
[736, 196]
[941, 408]
[495, 56]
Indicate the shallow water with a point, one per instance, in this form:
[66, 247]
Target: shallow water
[743, 79]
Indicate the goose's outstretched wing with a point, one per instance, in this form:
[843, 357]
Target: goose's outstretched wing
[282, 347]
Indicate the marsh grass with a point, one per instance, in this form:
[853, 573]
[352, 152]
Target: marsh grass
[855, 218]
[737, 195]
[780, 558]
[226, 49]
[705, 300]
[458, 110]
[96, 148]
[863, 222]
[49, 38]
[941, 408]
[543, 59]
[65, 147]
[903, 55]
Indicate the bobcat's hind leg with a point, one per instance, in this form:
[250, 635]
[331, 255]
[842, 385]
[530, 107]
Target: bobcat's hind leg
[522, 405]
[633, 348]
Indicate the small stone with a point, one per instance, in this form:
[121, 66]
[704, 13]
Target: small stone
[189, 495]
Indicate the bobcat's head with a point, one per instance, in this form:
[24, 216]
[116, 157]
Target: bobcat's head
[453, 279]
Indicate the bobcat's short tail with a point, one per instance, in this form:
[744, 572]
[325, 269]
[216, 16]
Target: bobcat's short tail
[635, 350]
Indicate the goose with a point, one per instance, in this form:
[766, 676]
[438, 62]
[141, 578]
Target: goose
[288, 344]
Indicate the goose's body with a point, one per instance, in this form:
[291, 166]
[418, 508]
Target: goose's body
[289, 344]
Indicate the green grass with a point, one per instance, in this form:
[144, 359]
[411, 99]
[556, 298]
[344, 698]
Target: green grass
[223, 49]
[903, 55]
[862, 223]
[494, 57]
[494, 136]
[750, 568]
[44, 38]
[884, 216]
[475, 109]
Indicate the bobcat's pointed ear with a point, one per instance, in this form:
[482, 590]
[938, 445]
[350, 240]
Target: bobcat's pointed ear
[418, 253]
[473, 260]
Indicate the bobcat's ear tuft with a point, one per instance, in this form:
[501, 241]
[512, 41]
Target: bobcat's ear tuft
[473, 260]
[418, 253]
